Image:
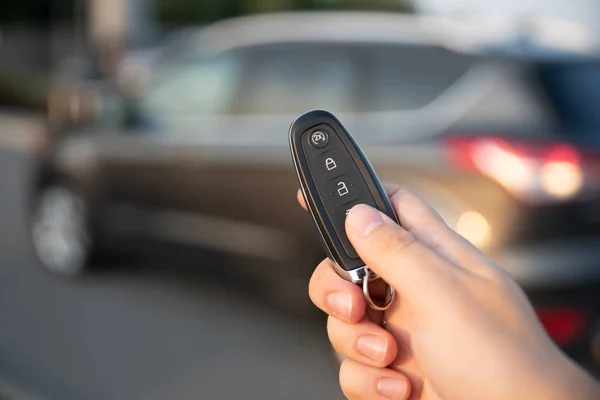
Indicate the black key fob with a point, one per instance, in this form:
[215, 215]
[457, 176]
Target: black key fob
[334, 176]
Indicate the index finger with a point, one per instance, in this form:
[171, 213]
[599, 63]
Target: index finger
[390, 189]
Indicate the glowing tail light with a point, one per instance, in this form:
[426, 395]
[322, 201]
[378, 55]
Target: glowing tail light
[536, 173]
[565, 325]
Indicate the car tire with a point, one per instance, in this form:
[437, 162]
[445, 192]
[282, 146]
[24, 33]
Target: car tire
[59, 230]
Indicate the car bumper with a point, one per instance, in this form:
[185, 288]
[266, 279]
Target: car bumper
[564, 276]
[564, 263]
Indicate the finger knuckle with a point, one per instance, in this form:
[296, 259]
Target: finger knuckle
[420, 211]
[396, 241]
[403, 199]
[496, 276]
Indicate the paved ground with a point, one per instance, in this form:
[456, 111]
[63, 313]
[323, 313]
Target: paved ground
[136, 332]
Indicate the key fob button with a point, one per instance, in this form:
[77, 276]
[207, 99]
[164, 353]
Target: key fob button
[345, 209]
[318, 138]
[332, 164]
[342, 190]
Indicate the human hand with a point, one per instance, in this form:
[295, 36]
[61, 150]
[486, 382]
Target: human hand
[460, 328]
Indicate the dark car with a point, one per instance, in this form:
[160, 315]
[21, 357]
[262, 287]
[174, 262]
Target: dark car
[201, 158]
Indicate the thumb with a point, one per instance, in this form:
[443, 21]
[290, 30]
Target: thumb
[392, 252]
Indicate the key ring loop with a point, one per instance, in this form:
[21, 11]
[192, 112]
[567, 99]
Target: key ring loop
[365, 284]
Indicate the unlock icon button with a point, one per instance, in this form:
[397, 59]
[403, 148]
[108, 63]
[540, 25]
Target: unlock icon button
[342, 189]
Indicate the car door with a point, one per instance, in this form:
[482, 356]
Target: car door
[149, 168]
[216, 168]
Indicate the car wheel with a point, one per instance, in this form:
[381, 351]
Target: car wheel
[59, 230]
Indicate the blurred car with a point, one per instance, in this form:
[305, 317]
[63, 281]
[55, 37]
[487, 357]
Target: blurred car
[199, 158]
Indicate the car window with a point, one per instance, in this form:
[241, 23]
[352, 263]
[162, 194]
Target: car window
[574, 90]
[508, 100]
[197, 87]
[408, 77]
[296, 78]
[348, 77]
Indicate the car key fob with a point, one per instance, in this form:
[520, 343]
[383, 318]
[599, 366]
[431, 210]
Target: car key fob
[334, 176]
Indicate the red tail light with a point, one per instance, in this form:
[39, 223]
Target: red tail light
[564, 325]
[535, 173]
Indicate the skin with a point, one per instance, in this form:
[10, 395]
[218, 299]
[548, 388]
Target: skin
[459, 327]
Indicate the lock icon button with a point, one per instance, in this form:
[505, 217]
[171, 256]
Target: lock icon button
[342, 189]
[330, 164]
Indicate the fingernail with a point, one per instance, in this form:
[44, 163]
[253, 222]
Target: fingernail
[392, 388]
[373, 347]
[364, 219]
[340, 303]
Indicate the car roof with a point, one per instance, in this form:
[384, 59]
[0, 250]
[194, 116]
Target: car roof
[369, 27]
[338, 27]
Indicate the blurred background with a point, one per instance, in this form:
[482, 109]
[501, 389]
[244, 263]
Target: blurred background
[151, 245]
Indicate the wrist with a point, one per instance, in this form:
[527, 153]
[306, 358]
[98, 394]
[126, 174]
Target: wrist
[582, 384]
[572, 382]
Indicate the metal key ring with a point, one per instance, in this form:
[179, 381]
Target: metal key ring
[368, 276]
